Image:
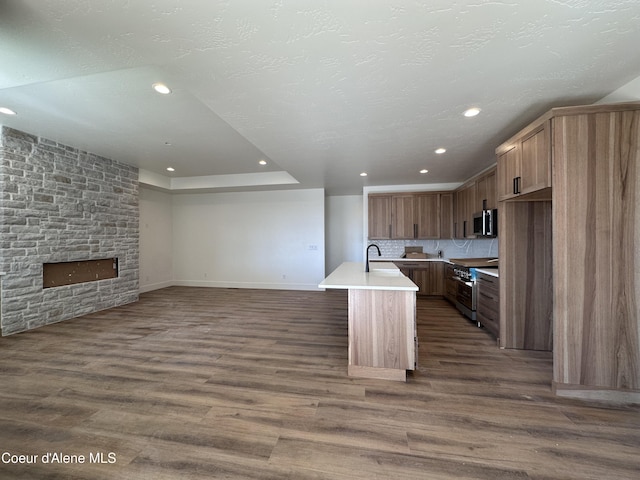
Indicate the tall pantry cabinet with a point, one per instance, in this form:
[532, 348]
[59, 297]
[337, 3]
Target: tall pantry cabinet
[570, 261]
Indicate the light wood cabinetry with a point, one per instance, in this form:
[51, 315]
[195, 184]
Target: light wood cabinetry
[465, 208]
[486, 191]
[488, 307]
[428, 215]
[446, 215]
[402, 216]
[450, 284]
[524, 163]
[477, 194]
[382, 333]
[596, 247]
[570, 262]
[379, 217]
[428, 276]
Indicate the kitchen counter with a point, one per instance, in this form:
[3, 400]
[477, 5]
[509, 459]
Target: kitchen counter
[488, 271]
[382, 319]
[382, 276]
[405, 259]
[483, 262]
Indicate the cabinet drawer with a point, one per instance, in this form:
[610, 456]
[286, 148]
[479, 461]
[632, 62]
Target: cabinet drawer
[488, 298]
[488, 286]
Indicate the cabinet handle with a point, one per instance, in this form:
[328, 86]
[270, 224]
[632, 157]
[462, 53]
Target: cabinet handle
[515, 185]
[464, 229]
[415, 230]
[389, 230]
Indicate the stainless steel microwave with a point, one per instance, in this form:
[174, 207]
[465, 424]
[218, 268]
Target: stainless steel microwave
[485, 223]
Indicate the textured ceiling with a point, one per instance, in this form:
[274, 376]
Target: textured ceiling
[322, 90]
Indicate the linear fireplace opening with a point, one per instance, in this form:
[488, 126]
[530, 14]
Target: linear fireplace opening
[70, 273]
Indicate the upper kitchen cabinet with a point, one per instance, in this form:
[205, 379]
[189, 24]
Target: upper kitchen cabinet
[379, 217]
[475, 195]
[486, 191]
[465, 207]
[428, 215]
[524, 163]
[401, 216]
[446, 215]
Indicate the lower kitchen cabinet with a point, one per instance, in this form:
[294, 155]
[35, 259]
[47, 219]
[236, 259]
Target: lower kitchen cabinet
[488, 302]
[450, 283]
[428, 276]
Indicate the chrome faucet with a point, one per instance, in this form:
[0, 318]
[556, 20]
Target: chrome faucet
[379, 254]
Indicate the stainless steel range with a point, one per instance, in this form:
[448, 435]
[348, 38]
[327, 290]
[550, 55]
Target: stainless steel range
[465, 277]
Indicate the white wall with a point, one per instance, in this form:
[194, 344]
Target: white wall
[156, 239]
[271, 239]
[343, 230]
[629, 92]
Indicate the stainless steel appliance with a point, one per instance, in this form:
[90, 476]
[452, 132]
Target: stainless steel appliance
[467, 291]
[465, 278]
[485, 223]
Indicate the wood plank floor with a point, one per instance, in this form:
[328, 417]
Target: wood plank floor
[198, 383]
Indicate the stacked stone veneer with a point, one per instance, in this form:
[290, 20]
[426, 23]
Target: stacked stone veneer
[60, 204]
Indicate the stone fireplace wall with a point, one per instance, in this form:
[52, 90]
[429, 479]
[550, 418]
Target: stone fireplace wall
[61, 204]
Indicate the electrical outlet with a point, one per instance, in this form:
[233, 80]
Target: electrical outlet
[312, 247]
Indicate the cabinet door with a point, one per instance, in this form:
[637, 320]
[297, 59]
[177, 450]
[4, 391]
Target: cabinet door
[436, 279]
[535, 161]
[450, 284]
[466, 209]
[491, 198]
[403, 216]
[420, 277]
[428, 217]
[460, 204]
[486, 192]
[446, 215]
[379, 217]
[508, 171]
[429, 277]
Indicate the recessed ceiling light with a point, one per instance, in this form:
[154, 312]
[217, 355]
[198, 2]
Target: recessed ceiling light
[171, 169]
[262, 162]
[471, 112]
[424, 170]
[440, 150]
[363, 174]
[7, 111]
[161, 88]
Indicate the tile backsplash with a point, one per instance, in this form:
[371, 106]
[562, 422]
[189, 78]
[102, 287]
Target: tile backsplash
[485, 247]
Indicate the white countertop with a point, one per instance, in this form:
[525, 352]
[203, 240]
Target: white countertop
[383, 276]
[489, 271]
[404, 259]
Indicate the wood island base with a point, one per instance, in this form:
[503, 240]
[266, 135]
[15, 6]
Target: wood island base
[382, 319]
[382, 333]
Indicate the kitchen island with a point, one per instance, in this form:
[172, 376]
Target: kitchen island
[382, 319]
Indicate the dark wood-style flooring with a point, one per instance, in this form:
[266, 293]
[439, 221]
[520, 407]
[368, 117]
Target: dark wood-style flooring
[197, 383]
